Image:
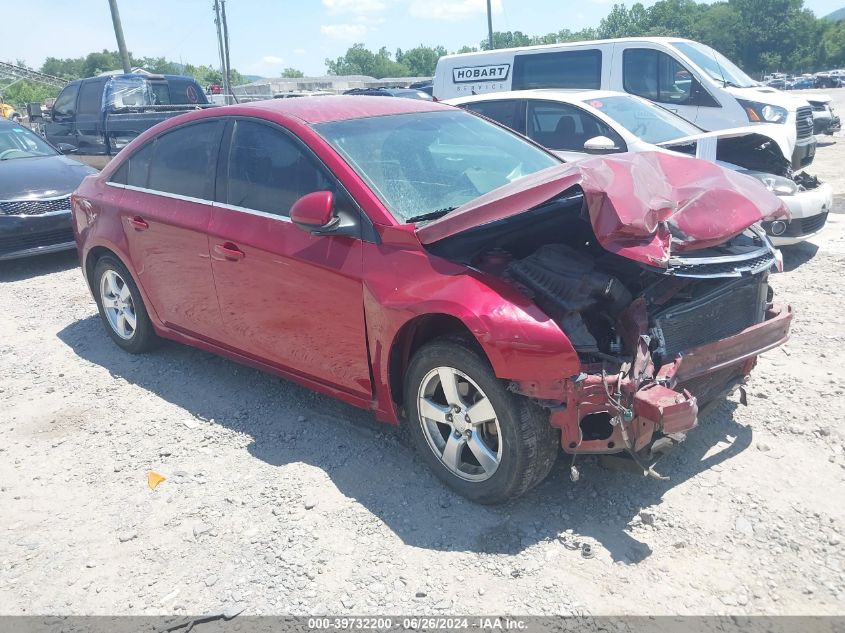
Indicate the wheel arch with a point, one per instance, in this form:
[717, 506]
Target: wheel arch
[412, 336]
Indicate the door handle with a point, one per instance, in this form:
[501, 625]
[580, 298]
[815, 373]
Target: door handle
[229, 251]
[139, 223]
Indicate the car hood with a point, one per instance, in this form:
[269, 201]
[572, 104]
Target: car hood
[644, 206]
[759, 133]
[41, 177]
[765, 94]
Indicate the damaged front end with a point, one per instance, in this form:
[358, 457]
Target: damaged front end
[666, 304]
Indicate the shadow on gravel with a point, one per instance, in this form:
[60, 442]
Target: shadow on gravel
[797, 255]
[31, 267]
[368, 462]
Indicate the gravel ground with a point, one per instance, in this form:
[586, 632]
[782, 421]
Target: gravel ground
[289, 502]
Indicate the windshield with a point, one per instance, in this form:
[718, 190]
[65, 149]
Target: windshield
[715, 64]
[423, 165]
[643, 119]
[129, 92]
[18, 142]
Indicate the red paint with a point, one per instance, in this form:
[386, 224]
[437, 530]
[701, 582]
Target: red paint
[633, 201]
[338, 314]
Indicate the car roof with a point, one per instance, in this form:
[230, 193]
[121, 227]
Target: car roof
[338, 107]
[559, 94]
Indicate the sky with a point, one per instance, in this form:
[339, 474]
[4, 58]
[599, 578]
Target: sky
[269, 35]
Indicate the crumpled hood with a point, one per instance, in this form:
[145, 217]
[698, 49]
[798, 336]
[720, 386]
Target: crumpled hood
[41, 177]
[644, 206]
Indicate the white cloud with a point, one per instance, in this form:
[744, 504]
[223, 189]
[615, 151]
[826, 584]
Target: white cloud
[299, 51]
[451, 10]
[348, 32]
[273, 60]
[354, 6]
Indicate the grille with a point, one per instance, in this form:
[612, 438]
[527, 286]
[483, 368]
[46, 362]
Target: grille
[801, 226]
[34, 207]
[723, 312]
[15, 243]
[804, 122]
[753, 265]
[811, 224]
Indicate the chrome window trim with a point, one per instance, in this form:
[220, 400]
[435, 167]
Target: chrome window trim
[262, 214]
[221, 205]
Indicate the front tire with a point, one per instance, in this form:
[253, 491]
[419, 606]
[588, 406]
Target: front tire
[486, 443]
[122, 308]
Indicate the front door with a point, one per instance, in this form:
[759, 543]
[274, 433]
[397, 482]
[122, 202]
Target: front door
[659, 77]
[61, 128]
[288, 298]
[166, 215]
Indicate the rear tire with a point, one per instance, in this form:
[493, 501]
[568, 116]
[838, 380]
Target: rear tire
[121, 307]
[486, 443]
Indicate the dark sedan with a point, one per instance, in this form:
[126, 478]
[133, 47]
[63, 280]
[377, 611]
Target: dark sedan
[35, 186]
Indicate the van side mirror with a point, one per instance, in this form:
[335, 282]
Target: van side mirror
[600, 145]
[314, 212]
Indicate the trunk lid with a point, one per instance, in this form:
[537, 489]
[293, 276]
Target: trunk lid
[644, 206]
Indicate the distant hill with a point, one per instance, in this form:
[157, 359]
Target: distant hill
[837, 15]
[252, 78]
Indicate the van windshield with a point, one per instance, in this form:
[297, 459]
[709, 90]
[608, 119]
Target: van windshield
[643, 119]
[715, 64]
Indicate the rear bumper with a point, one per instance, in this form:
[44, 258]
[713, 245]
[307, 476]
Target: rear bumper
[664, 402]
[24, 236]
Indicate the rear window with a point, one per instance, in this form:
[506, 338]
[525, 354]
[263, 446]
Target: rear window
[559, 69]
[184, 92]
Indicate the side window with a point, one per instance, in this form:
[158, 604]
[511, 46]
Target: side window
[560, 126]
[268, 171]
[91, 97]
[65, 106]
[505, 112]
[135, 170]
[184, 160]
[564, 69]
[656, 76]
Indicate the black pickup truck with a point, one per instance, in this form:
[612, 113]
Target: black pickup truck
[100, 115]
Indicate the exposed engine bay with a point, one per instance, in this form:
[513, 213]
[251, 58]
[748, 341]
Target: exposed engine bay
[651, 340]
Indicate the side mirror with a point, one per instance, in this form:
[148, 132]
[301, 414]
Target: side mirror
[66, 148]
[314, 212]
[600, 145]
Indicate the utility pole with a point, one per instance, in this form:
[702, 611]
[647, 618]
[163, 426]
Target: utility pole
[218, 21]
[489, 25]
[118, 33]
[226, 49]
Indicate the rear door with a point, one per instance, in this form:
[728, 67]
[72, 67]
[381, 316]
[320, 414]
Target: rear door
[166, 211]
[288, 297]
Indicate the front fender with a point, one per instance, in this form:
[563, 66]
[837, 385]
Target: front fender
[521, 342]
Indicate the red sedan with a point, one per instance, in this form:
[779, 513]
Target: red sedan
[423, 262]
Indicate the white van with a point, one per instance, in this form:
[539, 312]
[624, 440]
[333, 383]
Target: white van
[686, 77]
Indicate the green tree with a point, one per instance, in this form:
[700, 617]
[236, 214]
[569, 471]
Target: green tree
[420, 61]
[292, 73]
[359, 60]
[22, 92]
